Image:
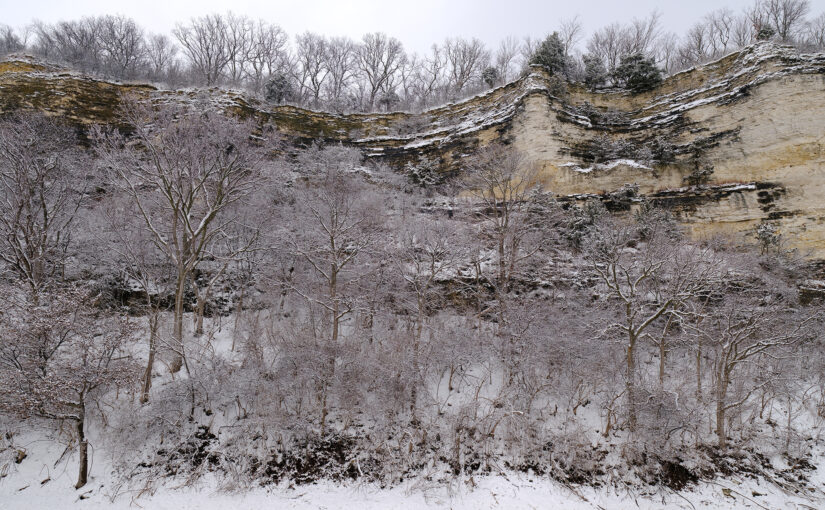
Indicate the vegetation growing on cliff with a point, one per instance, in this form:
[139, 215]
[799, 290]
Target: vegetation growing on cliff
[331, 321]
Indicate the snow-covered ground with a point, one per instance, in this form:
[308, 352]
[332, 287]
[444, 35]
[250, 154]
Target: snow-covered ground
[43, 480]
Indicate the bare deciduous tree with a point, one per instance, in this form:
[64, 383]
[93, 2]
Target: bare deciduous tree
[428, 254]
[570, 33]
[721, 24]
[204, 44]
[39, 196]
[379, 57]
[615, 41]
[740, 332]
[10, 41]
[122, 45]
[696, 46]
[815, 32]
[465, 62]
[75, 42]
[501, 179]
[606, 43]
[648, 276]
[505, 57]
[182, 170]
[340, 62]
[239, 42]
[311, 55]
[339, 228]
[56, 359]
[160, 57]
[743, 33]
[144, 270]
[787, 17]
[431, 77]
[267, 54]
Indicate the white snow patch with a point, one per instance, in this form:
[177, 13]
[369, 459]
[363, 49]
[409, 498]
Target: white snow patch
[605, 166]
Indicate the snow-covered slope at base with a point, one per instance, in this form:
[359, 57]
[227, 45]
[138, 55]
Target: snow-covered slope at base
[509, 492]
[45, 480]
[21, 489]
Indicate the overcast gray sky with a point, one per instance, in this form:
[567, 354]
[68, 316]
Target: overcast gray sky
[417, 23]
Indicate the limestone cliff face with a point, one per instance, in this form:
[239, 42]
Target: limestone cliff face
[726, 146]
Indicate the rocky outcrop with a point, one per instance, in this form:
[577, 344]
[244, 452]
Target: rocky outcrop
[725, 146]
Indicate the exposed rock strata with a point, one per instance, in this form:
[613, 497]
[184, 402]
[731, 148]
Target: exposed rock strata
[727, 145]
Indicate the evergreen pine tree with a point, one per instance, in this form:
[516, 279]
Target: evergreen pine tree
[637, 73]
[595, 73]
[551, 55]
[278, 89]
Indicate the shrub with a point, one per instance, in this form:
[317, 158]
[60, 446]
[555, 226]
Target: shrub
[637, 73]
[424, 173]
[490, 76]
[765, 33]
[279, 89]
[551, 55]
[595, 73]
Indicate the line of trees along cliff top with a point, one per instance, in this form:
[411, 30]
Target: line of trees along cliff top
[376, 73]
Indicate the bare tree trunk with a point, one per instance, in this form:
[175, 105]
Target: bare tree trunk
[630, 383]
[371, 321]
[721, 395]
[238, 312]
[662, 356]
[415, 367]
[720, 422]
[83, 450]
[324, 409]
[154, 322]
[333, 293]
[699, 372]
[790, 417]
[663, 352]
[177, 334]
[201, 309]
[501, 288]
[199, 301]
[201, 298]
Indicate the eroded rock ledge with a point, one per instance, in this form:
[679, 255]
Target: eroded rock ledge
[726, 146]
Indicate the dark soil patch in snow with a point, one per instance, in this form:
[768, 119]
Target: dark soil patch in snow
[331, 457]
[676, 476]
[188, 456]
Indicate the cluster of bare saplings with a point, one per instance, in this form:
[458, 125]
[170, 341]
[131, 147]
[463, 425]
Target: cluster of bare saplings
[377, 73]
[188, 297]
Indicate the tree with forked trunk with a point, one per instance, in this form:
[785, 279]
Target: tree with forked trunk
[182, 169]
[740, 334]
[428, 254]
[646, 274]
[338, 228]
[143, 269]
[501, 179]
[39, 197]
[59, 357]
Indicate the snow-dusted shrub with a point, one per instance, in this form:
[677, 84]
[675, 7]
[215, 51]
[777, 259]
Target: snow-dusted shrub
[637, 73]
[424, 172]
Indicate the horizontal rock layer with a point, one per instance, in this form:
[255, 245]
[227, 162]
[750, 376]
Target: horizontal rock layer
[725, 146]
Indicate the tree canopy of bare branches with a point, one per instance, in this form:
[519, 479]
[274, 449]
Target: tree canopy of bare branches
[40, 192]
[182, 169]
